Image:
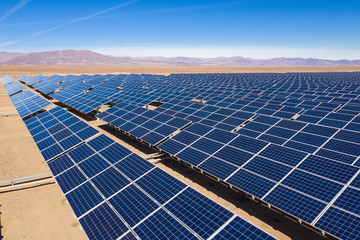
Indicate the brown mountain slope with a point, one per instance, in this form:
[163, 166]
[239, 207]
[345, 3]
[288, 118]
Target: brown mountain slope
[86, 57]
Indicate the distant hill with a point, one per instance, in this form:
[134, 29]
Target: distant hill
[86, 57]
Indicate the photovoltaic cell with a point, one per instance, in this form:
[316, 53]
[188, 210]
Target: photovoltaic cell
[83, 198]
[340, 223]
[190, 205]
[103, 223]
[161, 225]
[160, 185]
[133, 205]
[297, 204]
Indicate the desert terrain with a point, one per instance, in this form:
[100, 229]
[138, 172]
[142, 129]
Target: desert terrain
[41, 211]
[65, 70]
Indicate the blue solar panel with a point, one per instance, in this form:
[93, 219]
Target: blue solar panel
[103, 223]
[185, 137]
[160, 185]
[348, 136]
[161, 225]
[206, 145]
[134, 166]
[233, 155]
[80, 153]
[328, 168]
[340, 224]
[248, 144]
[51, 152]
[318, 187]
[93, 165]
[199, 129]
[295, 203]
[251, 183]
[110, 181]
[45, 143]
[267, 168]
[100, 142]
[70, 179]
[60, 164]
[309, 139]
[349, 200]
[70, 142]
[133, 205]
[336, 156]
[218, 168]
[240, 229]
[83, 198]
[324, 149]
[190, 205]
[319, 130]
[343, 147]
[192, 156]
[301, 146]
[283, 154]
[115, 152]
[172, 147]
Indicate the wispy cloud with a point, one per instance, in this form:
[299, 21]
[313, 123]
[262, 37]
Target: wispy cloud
[5, 44]
[16, 8]
[83, 18]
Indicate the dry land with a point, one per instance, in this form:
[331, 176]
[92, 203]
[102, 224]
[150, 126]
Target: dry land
[64, 70]
[35, 211]
[41, 211]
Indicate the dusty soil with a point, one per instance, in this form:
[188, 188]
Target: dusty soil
[39, 212]
[42, 212]
[64, 70]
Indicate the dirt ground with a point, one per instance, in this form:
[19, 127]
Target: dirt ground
[64, 70]
[38, 212]
[42, 212]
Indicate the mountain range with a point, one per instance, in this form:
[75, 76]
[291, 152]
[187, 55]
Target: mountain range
[87, 57]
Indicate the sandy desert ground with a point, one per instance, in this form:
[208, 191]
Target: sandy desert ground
[64, 70]
[42, 212]
[37, 212]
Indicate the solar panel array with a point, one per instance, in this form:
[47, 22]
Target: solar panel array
[289, 139]
[13, 87]
[302, 166]
[148, 125]
[117, 194]
[28, 103]
[6, 80]
[57, 131]
[85, 102]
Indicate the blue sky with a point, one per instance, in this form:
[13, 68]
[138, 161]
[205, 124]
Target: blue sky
[258, 28]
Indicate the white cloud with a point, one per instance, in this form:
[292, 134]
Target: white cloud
[82, 18]
[16, 8]
[5, 44]
[228, 51]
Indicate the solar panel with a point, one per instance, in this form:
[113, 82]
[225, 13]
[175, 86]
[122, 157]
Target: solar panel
[149, 126]
[103, 196]
[54, 138]
[28, 103]
[290, 139]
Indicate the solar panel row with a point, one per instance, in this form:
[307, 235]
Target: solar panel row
[6, 80]
[28, 103]
[57, 131]
[151, 126]
[13, 87]
[116, 193]
[289, 139]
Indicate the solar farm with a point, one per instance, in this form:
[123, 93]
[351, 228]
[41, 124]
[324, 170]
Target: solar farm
[287, 141]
